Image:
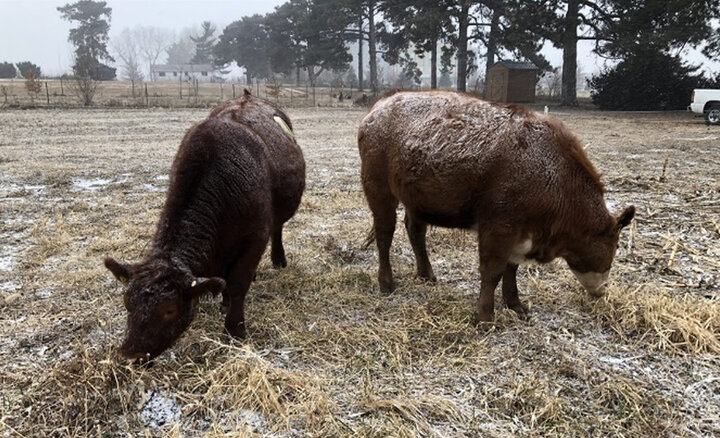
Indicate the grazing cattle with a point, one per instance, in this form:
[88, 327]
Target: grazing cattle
[236, 179]
[521, 179]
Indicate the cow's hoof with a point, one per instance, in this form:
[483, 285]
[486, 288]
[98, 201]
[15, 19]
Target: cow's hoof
[279, 264]
[224, 307]
[387, 288]
[521, 310]
[483, 319]
[430, 278]
[237, 332]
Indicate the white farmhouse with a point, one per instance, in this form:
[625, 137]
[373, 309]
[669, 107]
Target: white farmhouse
[183, 72]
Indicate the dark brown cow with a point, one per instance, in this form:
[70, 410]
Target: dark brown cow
[236, 179]
[522, 180]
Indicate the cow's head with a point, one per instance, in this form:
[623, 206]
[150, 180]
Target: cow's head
[161, 299]
[590, 259]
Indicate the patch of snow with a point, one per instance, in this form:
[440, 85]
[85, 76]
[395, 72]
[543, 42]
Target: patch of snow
[255, 421]
[43, 294]
[6, 263]
[91, 184]
[152, 188]
[162, 177]
[10, 286]
[38, 189]
[160, 410]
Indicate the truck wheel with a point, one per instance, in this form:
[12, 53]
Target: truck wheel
[712, 115]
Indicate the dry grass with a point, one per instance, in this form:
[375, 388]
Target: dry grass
[327, 355]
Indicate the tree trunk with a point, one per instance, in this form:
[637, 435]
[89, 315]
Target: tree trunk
[297, 75]
[372, 48]
[360, 55]
[570, 40]
[491, 48]
[462, 45]
[248, 78]
[311, 75]
[433, 64]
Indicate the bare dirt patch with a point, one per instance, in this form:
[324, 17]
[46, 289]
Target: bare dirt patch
[327, 354]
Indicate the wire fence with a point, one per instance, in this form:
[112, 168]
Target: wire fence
[64, 93]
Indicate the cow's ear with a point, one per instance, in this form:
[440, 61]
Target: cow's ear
[200, 286]
[121, 271]
[625, 217]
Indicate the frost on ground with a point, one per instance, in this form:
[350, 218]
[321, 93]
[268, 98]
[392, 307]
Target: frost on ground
[159, 410]
[327, 355]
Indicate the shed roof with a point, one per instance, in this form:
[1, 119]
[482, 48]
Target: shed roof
[517, 65]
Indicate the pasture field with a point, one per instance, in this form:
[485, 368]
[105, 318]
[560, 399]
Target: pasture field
[327, 354]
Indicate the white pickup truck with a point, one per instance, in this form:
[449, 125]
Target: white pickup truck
[707, 103]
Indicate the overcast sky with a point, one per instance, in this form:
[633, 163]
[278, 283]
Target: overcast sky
[32, 30]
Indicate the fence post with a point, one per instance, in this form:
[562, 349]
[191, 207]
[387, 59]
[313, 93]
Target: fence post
[47, 93]
[313, 94]
[62, 90]
[222, 92]
[147, 100]
[233, 85]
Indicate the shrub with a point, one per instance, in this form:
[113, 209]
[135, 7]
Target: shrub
[27, 69]
[644, 82]
[7, 70]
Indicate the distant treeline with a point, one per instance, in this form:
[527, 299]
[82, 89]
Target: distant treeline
[305, 40]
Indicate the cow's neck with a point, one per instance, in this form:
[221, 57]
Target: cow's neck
[188, 240]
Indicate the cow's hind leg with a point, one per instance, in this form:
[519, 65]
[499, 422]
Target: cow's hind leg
[510, 291]
[417, 230]
[383, 205]
[238, 284]
[277, 251]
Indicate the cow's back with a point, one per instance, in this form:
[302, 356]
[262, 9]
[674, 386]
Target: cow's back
[283, 157]
[449, 155]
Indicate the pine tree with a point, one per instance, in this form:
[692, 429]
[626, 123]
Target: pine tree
[204, 44]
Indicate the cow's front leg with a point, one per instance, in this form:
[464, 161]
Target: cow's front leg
[494, 252]
[238, 284]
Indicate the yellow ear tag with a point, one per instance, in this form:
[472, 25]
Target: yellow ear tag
[123, 280]
[284, 126]
[194, 283]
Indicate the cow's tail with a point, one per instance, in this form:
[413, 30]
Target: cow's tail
[369, 239]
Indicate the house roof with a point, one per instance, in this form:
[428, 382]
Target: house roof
[517, 65]
[183, 67]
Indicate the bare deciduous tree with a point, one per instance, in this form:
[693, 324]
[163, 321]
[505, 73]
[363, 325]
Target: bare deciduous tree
[152, 42]
[127, 50]
[84, 85]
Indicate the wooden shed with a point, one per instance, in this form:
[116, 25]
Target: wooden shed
[512, 82]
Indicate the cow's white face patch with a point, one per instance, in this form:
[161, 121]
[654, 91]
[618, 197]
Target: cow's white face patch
[284, 126]
[520, 251]
[593, 282]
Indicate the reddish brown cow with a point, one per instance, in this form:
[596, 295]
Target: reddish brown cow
[236, 179]
[522, 180]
